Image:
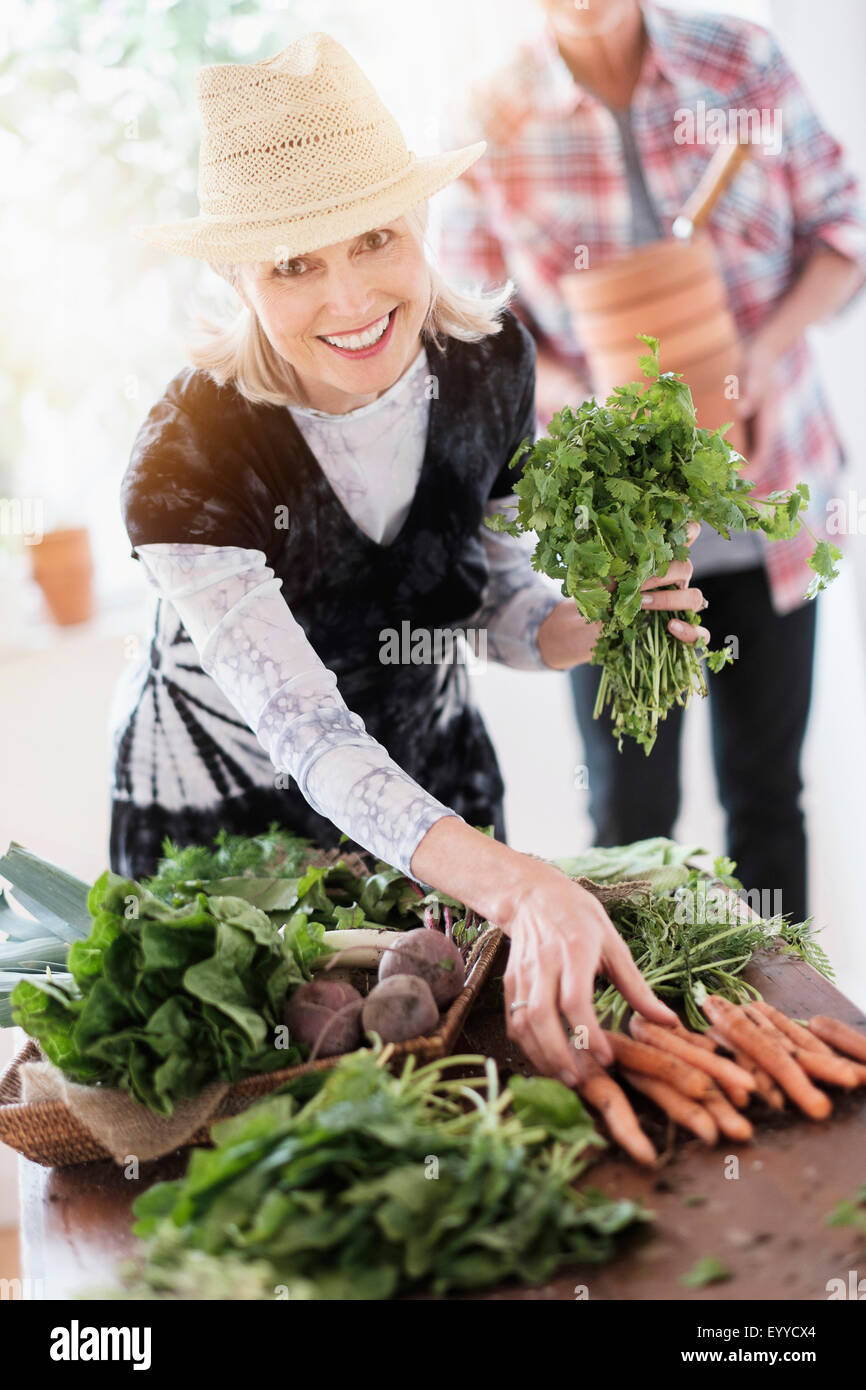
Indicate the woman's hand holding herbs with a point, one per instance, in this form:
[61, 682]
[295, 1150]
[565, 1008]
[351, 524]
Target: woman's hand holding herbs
[608, 492]
[566, 639]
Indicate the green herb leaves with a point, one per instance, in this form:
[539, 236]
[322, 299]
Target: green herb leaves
[608, 492]
[696, 939]
[822, 562]
[182, 980]
[708, 1270]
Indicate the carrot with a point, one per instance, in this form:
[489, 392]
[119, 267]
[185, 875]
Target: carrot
[828, 1067]
[734, 1079]
[859, 1068]
[651, 1061]
[766, 1086]
[795, 1031]
[738, 1095]
[823, 1066]
[769, 1054]
[833, 1071]
[761, 1021]
[839, 1035]
[702, 1040]
[684, 1111]
[600, 1089]
[729, 1121]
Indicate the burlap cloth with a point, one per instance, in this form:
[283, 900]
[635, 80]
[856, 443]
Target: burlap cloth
[120, 1124]
[616, 892]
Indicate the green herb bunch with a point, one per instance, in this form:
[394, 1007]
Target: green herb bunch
[609, 491]
[377, 1184]
[160, 988]
[160, 1001]
[274, 853]
[697, 940]
[273, 872]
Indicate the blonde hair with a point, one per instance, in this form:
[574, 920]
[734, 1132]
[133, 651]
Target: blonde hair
[237, 351]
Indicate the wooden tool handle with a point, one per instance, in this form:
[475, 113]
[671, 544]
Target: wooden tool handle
[717, 175]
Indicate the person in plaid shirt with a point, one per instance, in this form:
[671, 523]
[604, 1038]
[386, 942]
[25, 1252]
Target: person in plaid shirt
[586, 148]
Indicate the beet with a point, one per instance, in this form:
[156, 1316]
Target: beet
[432, 957]
[400, 1007]
[326, 1015]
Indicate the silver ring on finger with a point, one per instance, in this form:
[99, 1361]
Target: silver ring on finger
[518, 1004]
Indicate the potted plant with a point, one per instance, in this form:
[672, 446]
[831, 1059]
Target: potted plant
[62, 565]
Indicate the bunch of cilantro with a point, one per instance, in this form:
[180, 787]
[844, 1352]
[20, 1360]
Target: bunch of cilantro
[609, 491]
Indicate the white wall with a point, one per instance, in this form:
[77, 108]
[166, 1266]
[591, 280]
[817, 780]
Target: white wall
[827, 49]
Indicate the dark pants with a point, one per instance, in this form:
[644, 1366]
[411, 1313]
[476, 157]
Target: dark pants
[759, 707]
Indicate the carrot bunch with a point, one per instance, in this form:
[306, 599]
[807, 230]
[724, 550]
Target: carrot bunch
[772, 1057]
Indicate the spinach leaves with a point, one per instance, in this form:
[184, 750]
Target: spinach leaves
[378, 1184]
[160, 1001]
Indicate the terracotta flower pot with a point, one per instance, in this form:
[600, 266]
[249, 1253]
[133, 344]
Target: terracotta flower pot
[672, 290]
[62, 565]
[660, 316]
[681, 351]
[651, 272]
[710, 382]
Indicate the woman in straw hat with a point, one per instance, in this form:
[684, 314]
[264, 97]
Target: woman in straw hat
[318, 483]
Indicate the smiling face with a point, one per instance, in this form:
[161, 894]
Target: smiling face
[346, 318]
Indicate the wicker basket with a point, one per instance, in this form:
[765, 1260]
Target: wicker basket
[47, 1133]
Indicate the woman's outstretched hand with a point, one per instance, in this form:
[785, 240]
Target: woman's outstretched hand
[561, 938]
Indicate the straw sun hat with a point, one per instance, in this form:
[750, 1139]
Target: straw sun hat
[298, 152]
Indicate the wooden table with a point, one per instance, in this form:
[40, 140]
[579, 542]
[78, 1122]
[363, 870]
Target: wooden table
[767, 1225]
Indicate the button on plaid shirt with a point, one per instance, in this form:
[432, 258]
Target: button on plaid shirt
[553, 180]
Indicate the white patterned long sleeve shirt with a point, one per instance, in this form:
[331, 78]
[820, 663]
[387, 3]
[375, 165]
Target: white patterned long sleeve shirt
[251, 645]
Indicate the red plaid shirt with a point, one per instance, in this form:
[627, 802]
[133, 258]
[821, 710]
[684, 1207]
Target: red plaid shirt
[553, 179]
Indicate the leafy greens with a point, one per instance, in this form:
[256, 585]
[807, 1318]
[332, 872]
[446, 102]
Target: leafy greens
[335, 1198]
[160, 1001]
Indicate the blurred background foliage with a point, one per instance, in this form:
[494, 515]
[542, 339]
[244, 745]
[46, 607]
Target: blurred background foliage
[99, 131]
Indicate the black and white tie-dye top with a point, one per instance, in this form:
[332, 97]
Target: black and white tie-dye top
[294, 609]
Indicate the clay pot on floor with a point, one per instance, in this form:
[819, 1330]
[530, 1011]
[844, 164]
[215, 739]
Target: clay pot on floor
[62, 565]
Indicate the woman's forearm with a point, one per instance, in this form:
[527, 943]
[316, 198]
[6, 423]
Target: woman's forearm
[483, 873]
[824, 286]
[257, 654]
[516, 599]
